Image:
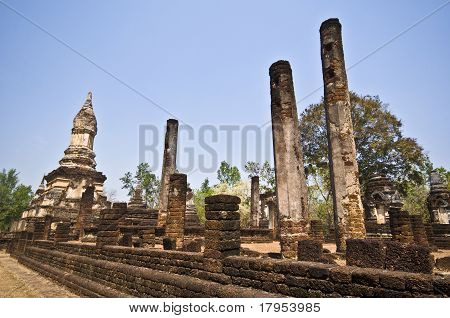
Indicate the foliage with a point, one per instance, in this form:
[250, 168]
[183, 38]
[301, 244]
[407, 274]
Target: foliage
[415, 200]
[146, 180]
[14, 197]
[228, 174]
[199, 198]
[230, 183]
[319, 196]
[265, 172]
[380, 144]
[242, 190]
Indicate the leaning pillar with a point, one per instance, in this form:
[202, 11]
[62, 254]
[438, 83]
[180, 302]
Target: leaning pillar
[176, 208]
[291, 188]
[254, 201]
[348, 209]
[168, 168]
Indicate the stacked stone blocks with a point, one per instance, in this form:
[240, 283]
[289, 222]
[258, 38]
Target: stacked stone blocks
[108, 227]
[176, 208]
[222, 226]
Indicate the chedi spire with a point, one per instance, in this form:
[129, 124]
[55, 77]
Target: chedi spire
[80, 151]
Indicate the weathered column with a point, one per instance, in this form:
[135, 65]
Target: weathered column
[176, 208]
[291, 187]
[254, 201]
[348, 209]
[272, 217]
[169, 167]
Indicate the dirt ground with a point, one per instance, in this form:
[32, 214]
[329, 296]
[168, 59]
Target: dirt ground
[274, 247]
[17, 281]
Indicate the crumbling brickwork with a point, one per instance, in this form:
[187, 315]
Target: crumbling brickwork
[418, 230]
[316, 231]
[400, 223]
[310, 250]
[290, 233]
[62, 232]
[176, 208]
[222, 226]
[108, 227]
[348, 209]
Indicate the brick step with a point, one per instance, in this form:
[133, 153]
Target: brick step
[442, 242]
[80, 285]
[95, 275]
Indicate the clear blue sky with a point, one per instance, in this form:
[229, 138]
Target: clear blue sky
[207, 63]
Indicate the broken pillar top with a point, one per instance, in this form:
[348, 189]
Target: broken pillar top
[172, 121]
[280, 67]
[85, 119]
[222, 198]
[177, 176]
[330, 22]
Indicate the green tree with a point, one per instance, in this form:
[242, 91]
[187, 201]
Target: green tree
[199, 198]
[228, 174]
[445, 175]
[14, 197]
[380, 144]
[147, 180]
[265, 172]
[415, 200]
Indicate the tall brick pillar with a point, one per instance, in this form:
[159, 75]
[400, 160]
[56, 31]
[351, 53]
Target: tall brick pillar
[169, 167]
[176, 208]
[222, 226]
[348, 208]
[254, 202]
[291, 190]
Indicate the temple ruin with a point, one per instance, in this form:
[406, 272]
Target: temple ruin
[73, 235]
[74, 191]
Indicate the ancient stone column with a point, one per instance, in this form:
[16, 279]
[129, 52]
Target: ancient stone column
[176, 208]
[291, 190]
[169, 167]
[254, 201]
[348, 209]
